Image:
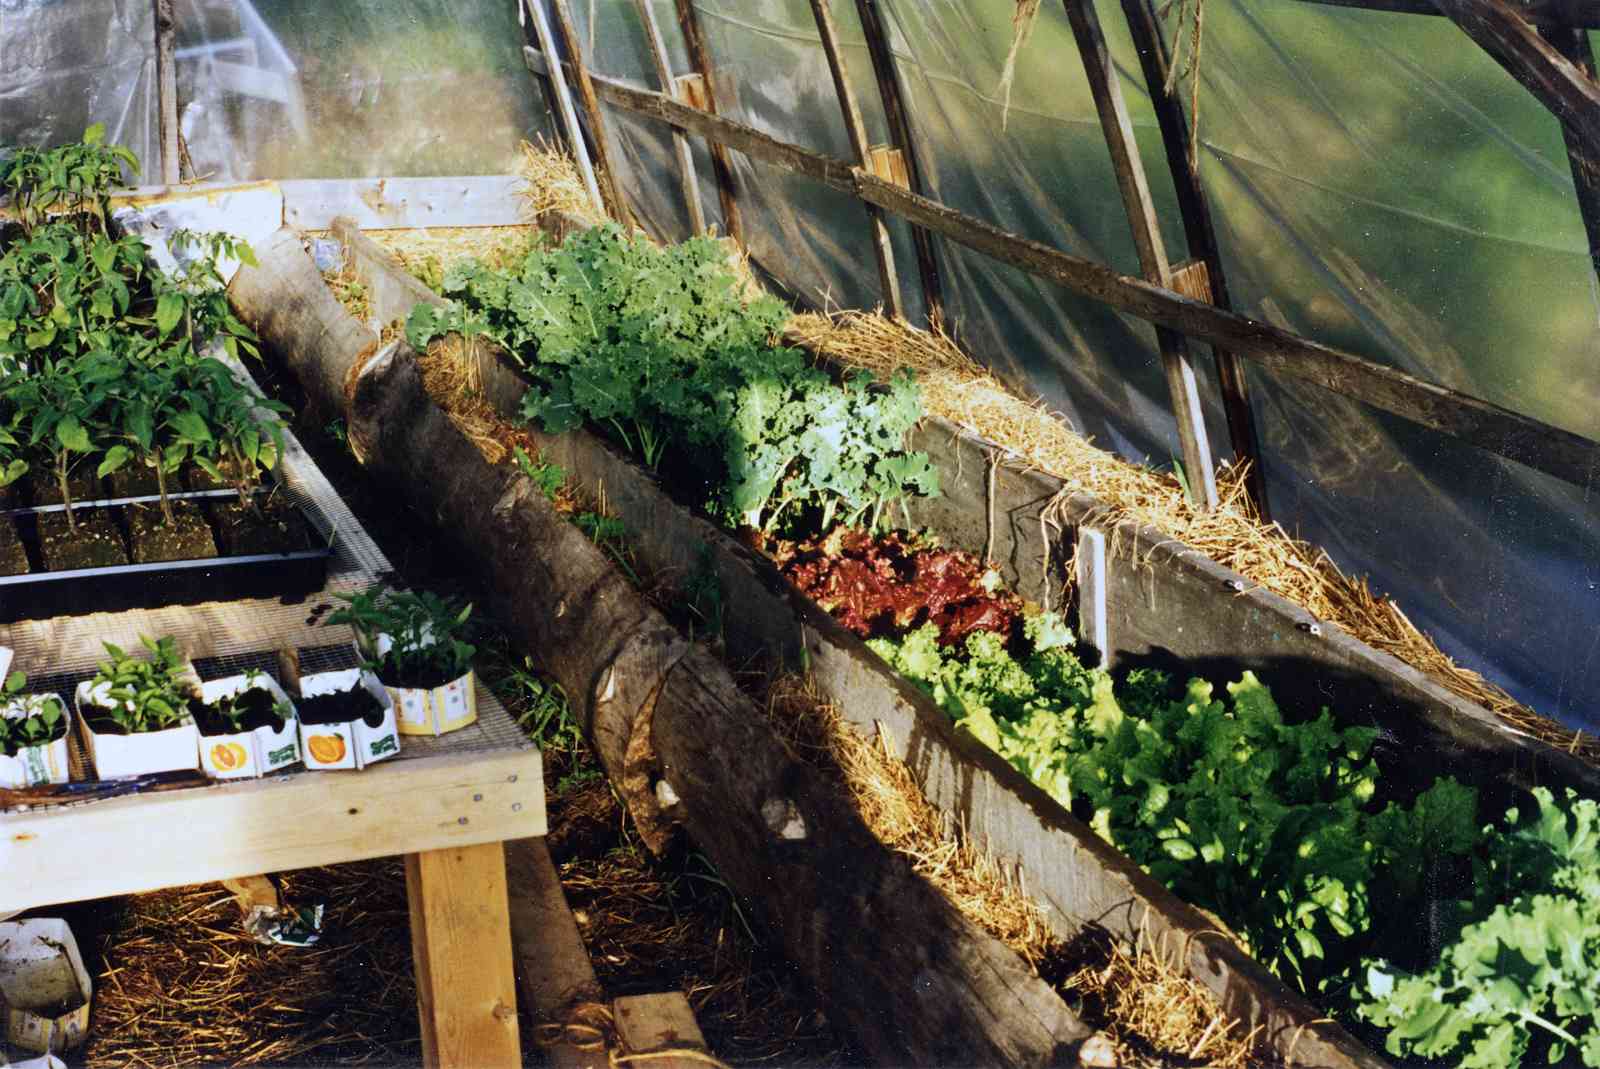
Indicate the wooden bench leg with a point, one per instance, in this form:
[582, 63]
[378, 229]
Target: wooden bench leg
[461, 946]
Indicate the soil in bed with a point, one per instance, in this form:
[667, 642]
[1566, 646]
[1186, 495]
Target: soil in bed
[342, 706]
[13, 555]
[277, 527]
[96, 544]
[258, 706]
[155, 540]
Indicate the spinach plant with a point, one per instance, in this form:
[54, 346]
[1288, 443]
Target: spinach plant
[426, 632]
[144, 693]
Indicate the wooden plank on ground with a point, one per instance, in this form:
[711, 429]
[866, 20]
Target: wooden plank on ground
[461, 946]
[659, 1024]
[552, 966]
[134, 843]
[394, 203]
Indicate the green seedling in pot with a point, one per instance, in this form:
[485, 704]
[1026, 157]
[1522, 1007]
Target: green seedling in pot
[44, 720]
[236, 708]
[144, 694]
[424, 632]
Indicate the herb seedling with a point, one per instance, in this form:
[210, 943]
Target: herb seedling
[146, 694]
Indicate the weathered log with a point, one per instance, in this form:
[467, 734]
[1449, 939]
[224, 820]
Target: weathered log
[902, 970]
[284, 300]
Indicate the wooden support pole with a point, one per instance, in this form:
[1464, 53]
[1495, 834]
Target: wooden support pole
[1200, 235]
[569, 117]
[461, 945]
[688, 180]
[1554, 13]
[1568, 456]
[900, 134]
[617, 204]
[1106, 88]
[856, 127]
[167, 91]
[1574, 46]
[721, 166]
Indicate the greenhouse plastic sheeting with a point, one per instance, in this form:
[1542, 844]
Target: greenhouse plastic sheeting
[1415, 208]
[67, 65]
[279, 88]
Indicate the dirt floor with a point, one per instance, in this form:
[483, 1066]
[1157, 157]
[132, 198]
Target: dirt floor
[177, 981]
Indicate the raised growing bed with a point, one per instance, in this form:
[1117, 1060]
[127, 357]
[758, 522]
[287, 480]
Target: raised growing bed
[896, 963]
[282, 553]
[1079, 877]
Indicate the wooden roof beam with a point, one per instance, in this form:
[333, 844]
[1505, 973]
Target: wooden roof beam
[1515, 44]
[856, 127]
[1105, 86]
[1568, 13]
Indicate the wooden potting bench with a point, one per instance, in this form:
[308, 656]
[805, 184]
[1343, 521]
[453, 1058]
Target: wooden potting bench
[447, 805]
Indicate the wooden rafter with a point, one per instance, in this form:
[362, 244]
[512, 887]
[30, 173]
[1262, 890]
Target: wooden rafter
[1199, 233]
[721, 165]
[557, 80]
[856, 128]
[616, 203]
[1574, 13]
[1561, 453]
[1574, 45]
[1514, 43]
[901, 135]
[1106, 88]
[688, 178]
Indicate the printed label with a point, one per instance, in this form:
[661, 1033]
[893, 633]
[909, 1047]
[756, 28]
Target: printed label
[387, 744]
[282, 755]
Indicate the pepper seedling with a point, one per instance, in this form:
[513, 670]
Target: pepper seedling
[145, 694]
[44, 720]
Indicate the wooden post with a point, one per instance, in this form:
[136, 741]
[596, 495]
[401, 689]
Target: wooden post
[721, 166]
[167, 90]
[899, 120]
[461, 945]
[687, 178]
[569, 117]
[1200, 235]
[618, 204]
[1573, 44]
[856, 127]
[1107, 91]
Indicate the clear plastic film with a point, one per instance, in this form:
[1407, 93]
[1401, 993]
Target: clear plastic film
[1415, 207]
[279, 88]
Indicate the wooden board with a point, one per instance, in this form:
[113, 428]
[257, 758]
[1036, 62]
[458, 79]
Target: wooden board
[465, 993]
[389, 203]
[139, 843]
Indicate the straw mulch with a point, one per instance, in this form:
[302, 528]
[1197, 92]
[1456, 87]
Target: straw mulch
[957, 388]
[182, 984]
[1152, 1013]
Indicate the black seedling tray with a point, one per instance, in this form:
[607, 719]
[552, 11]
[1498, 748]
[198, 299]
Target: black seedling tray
[268, 484]
[287, 576]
